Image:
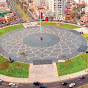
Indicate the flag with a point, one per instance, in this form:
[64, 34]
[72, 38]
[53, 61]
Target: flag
[41, 15]
[46, 19]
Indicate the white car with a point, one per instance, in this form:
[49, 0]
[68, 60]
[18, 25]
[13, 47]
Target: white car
[71, 85]
[12, 84]
[84, 25]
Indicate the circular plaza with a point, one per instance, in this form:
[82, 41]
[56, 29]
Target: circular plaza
[57, 44]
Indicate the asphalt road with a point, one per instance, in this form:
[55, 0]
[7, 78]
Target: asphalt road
[79, 82]
[20, 19]
[18, 14]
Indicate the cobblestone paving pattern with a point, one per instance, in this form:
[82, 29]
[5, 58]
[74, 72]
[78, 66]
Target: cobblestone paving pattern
[68, 44]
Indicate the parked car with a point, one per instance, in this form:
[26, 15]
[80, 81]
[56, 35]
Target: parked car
[84, 25]
[1, 81]
[82, 77]
[36, 83]
[71, 85]
[64, 83]
[10, 60]
[12, 84]
[43, 86]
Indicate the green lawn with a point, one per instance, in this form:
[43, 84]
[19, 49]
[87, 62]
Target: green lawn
[59, 25]
[15, 69]
[86, 35]
[73, 65]
[85, 86]
[10, 28]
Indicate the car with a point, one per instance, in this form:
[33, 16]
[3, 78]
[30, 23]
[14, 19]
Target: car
[84, 25]
[1, 81]
[71, 85]
[10, 60]
[43, 86]
[82, 77]
[64, 83]
[12, 84]
[81, 32]
[11, 23]
[36, 83]
[22, 22]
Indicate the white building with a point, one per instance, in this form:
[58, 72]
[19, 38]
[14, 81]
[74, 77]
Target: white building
[2, 0]
[57, 8]
[86, 9]
[41, 2]
[81, 1]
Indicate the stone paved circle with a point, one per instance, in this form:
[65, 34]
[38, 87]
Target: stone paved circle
[58, 44]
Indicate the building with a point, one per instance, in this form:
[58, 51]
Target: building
[81, 1]
[2, 1]
[57, 8]
[41, 2]
[2, 20]
[4, 7]
[86, 9]
[9, 17]
[69, 15]
[84, 18]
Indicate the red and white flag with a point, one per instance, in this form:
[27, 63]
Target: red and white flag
[44, 17]
[41, 15]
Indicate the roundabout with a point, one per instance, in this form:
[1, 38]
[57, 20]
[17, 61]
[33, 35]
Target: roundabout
[57, 44]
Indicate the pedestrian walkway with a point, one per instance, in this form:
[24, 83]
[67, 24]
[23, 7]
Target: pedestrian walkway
[30, 24]
[44, 73]
[83, 29]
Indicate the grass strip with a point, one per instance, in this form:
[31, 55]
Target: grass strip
[64, 25]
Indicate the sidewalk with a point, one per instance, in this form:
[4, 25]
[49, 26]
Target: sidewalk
[30, 24]
[83, 29]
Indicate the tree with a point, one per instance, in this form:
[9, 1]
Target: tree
[78, 16]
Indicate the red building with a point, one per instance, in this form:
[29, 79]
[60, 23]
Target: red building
[84, 19]
[2, 20]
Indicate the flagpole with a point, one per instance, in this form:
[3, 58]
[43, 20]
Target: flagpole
[40, 24]
[40, 28]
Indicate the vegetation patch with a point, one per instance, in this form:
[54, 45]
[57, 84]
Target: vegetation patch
[85, 86]
[86, 35]
[23, 54]
[15, 69]
[64, 25]
[10, 28]
[73, 65]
